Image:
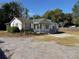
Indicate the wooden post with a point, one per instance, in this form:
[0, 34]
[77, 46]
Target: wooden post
[39, 28]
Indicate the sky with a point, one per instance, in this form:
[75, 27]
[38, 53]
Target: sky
[39, 7]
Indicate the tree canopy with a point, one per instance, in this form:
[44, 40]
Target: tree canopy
[10, 10]
[54, 15]
[36, 17]
[57, 15]
[75, 10]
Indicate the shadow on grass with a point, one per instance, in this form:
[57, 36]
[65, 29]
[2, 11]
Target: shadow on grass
[2, 55]
[59, 32]
[40, 34]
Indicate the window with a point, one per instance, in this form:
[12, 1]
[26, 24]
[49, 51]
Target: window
[34, 26]
[47, 26]
[37, 26]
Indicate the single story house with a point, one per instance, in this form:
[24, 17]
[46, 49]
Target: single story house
[44, 26]
[38, 25]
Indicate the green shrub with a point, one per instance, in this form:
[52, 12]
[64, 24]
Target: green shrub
[13, 29]
[29, 31]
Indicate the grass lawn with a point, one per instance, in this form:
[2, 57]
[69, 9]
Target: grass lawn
[70, 31]
[7, 34]
[67, 41]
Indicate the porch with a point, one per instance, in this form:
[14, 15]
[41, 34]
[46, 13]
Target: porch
[41, 28]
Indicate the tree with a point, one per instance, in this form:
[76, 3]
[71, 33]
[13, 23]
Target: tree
[75, 10]
[10, 10]
[68, 19]
[47, 15]
[36, 17]
[55, 15]
[58, 16]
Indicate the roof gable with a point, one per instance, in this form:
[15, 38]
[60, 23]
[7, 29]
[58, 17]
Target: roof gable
[23, 20]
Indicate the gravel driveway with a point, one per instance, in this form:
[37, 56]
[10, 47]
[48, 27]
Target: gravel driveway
[26, 48]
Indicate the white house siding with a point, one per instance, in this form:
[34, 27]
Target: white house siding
[41, 28]
[54, 28]
[16, 23]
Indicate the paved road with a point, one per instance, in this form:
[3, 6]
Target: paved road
[26, 48]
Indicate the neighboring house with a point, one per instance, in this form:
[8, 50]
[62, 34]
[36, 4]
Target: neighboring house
[16, 23]
[21, 23]
[38, 25]
[44, 26]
